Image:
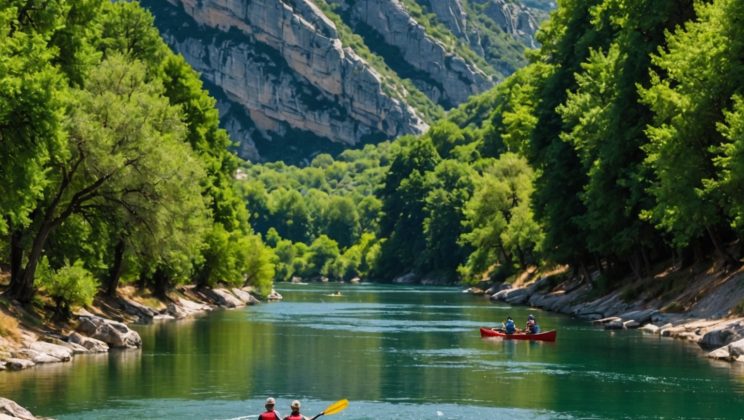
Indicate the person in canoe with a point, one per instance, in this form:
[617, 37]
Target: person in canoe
[509, 326]
[270, 413]
[531, 327]
[295, 407]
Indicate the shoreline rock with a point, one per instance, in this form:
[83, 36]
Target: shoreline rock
[720, 337]
[9, 409]
[97, 333]
[115, 334]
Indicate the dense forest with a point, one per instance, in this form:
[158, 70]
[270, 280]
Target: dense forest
[619, 145]
[113, 167]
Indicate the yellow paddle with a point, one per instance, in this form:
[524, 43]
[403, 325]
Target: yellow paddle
[334, 408]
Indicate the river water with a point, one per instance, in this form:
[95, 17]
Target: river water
[395, 352]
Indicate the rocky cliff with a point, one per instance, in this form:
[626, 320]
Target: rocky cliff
[513, 18]
[444, 76]
[297, 77]
[280, 72]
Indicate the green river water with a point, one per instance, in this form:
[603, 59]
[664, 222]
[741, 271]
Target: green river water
[396, 352]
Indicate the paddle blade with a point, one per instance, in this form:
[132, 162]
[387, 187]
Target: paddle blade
[336, 407]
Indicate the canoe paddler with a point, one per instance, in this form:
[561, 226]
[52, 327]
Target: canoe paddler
[509, 326]
[531, 327]
[295, 407]
[270, 413]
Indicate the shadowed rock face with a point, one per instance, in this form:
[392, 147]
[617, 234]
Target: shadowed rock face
[288, 89]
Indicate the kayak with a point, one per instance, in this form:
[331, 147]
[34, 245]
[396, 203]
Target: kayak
[543, 336]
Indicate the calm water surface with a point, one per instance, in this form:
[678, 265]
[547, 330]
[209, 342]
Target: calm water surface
[394, 352]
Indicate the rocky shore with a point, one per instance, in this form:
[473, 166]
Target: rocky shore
[704, 311]
[11, 410]
[104, 326]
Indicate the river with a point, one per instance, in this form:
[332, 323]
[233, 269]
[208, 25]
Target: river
[394, 352]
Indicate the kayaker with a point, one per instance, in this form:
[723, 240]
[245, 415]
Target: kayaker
[532, 327]
[509, 326]
[270, 413]
[295, 407]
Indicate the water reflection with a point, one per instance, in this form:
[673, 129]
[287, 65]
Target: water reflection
[394, 352]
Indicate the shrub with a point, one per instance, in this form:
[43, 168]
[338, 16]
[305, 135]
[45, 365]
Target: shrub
[70, 285]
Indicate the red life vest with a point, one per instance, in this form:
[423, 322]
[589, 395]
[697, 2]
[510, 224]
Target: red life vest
[295, 417]
[269, 415]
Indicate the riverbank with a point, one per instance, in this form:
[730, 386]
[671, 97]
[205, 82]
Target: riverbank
[703, 303]
[9, 409]
[28, 336]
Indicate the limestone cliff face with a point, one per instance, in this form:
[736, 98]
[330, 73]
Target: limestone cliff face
[288, 88]
[442, 75]
[281, 75]
[452, 14]
[514, 18]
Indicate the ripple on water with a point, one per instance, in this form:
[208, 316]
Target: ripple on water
[357, 410]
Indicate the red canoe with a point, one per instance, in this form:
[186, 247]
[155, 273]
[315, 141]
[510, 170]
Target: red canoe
[544, 336]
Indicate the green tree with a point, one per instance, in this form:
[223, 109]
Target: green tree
[285, 256]
[729, 163]
[31, 118]
[124, 145]
[499, 223]
[403, 196]
[256, 262]
[341, 221]
[607, 125]
[290, 216]
[451, 187]
[446, 135]
[322, 254]
[698, 74]
[573, 30]
[370, 211]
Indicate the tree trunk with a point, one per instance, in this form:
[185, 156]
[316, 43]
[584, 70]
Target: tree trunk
[585, 273]
[202, 277]
[116, 268]
[698, 254]
[16, 256]
[142, 281]
[520, 256]
[161, 286]
[646, 262]
[634, 264]
[23, 288]
[728, 259]
[598, 263]
[505, 256]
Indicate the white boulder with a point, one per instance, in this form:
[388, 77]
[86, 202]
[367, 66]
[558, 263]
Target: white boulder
[113, 333]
